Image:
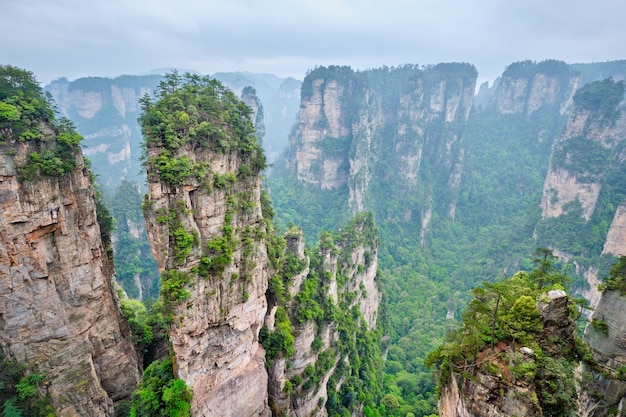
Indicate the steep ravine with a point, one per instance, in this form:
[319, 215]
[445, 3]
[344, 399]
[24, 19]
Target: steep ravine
[210, 231]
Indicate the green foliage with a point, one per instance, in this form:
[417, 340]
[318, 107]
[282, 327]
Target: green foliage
[506, 311]
[357, 380]
[25, 114]
[135, 312]
[23, 105]
[556, 387]
[617, 277]
[105, 220]
[173, 286]
[132, 254]
[582, 156]
[280, 341]
[602, 98]
[160, 394]
[600, 325]
[528, 69]
[523, 322]
[333, 72]
[196, 111]
[489, 224]
[21, 392]
[219, 250]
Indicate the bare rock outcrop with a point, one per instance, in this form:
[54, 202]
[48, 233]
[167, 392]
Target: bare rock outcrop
[580, 161]
[352, 124]
[606, 337]
[58, 311]
[615, 243]
[527, 86]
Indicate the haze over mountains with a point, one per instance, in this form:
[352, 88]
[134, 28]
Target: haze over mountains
[461, 187]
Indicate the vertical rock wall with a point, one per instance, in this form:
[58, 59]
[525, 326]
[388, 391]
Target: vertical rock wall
[58, 310]
[215, 331]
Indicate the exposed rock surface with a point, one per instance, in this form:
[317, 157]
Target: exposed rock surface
[357, 264]
[526, 94]
[215, 335]
[58, 311]
[567, 182]
[609, 350]
[352, 125]
[105, 111]
[616, 237]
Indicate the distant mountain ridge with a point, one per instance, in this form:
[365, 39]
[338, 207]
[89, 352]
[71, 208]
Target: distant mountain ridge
[459, 197]
[105, 112]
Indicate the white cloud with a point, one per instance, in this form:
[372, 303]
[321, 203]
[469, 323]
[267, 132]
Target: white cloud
[76, 38]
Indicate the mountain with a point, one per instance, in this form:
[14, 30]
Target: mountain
[247, 322]
[59, 313]
[105, 112]
[463, 188]
[209, 225]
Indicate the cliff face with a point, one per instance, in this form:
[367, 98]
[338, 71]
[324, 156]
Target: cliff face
[208, 237]
[215, 334]
[521, 94]
[606, 337]
[58, 310]
[583, 187]
[302, 381]
[105, 111]
[355, 125]
[568, 179]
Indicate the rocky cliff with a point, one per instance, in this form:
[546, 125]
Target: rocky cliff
[210, 230]
[606, 335]
[58, 312]
[583, 188]
[590, 133]
[208, 236]
[353, 126]
[331, 303]
[527, 86]
[105, 111]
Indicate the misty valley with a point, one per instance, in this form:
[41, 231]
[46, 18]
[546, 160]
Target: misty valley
[394, 241]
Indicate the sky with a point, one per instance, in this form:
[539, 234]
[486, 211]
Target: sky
[78, 38]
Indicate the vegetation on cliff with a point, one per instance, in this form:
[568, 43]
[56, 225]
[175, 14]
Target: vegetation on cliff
[354, 361]
[27, 115]
[502, 318]
[193, 123]
[134, 264]
[191, 110]
[438, 241]
[20, 391]
[595, 161]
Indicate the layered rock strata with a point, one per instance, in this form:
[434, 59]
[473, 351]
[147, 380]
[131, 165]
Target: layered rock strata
[58, 311]
[606, 337]
[215, 335]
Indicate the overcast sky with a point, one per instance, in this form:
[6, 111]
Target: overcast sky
[76, 38]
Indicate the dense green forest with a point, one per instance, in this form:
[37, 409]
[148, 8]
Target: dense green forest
[496, 224]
